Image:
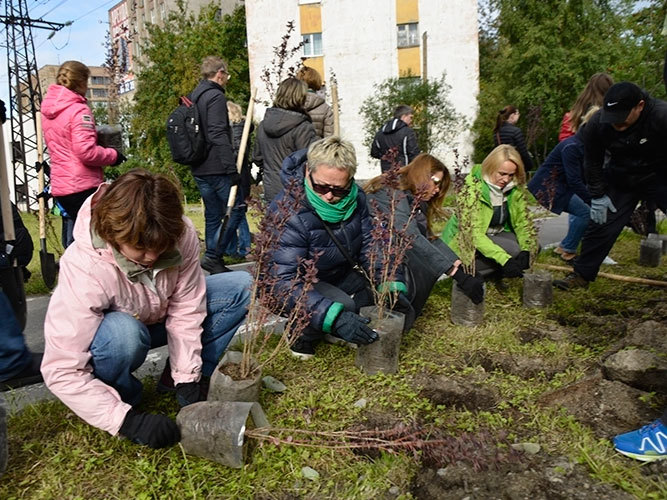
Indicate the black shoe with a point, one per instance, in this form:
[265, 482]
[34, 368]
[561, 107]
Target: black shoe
[213, 266]
[571, 281]
[166, 383]
[302, 349]
[501, 285]
[29, 375]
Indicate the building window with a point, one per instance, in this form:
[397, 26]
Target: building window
[408, 35]
[312, 44]
[100, 92]
[100, 80]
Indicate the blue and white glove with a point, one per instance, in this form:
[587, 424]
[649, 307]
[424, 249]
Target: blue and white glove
[599, 207]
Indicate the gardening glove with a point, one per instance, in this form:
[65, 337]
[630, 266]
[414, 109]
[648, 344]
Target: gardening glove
[119, 159]
[523, 259]
[599, 208]
[352, 327]
[156, 431]
[473, 287]
[187, 393]
[512, 268]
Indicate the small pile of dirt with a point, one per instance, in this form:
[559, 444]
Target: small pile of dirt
[535, 478]
[518, 364]
[461, 392]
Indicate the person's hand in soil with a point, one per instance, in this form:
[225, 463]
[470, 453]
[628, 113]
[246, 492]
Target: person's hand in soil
[472, 286]
[155, 431]
[187, 394]
[512, 269]
[352, 327]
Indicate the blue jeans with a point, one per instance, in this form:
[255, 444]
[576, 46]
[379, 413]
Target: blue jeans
[121, 342]
[579, 215]
[214, 190]
[233, 243]
[14, 355]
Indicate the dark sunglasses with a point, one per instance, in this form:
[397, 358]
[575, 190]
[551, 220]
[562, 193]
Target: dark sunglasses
[338, 192]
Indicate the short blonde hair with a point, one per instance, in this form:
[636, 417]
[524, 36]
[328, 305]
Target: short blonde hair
[500, 155]
[291, 94]
[235, 112]
[73, 75]
[311, 76]
[333, 152]
[211, 65]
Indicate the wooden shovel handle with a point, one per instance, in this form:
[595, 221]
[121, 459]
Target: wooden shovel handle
[40, 176]
[617, 277]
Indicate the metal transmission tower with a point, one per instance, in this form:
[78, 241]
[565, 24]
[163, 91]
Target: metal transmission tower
[25, 94]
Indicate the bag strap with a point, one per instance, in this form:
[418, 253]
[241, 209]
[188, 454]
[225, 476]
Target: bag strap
[355, 265]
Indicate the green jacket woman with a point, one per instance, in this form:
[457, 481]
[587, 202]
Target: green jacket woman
[500, 228]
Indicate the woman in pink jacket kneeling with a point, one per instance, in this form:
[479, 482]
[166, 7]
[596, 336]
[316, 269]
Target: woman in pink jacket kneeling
[131, 281]
[69, 130]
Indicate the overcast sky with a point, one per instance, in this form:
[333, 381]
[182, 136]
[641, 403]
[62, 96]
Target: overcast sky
[82, 41]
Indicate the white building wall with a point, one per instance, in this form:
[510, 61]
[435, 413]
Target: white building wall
[359, 45]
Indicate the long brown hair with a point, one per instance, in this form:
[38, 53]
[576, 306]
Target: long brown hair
[503, 116]
[592, 95]
[142, 210]
[416, 176]
[73, 75]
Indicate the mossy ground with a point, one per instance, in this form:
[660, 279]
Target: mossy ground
[53, 454]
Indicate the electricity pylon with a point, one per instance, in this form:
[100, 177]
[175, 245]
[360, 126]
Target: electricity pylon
[25, 95]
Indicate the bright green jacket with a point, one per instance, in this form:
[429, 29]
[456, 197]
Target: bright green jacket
[517, 222]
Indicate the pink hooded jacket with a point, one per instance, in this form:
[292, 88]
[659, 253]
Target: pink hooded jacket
[91, 282]
[69, 132]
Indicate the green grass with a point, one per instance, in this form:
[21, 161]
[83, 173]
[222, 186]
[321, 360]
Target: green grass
[53, 454]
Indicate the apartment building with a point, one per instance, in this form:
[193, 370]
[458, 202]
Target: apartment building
[98, 83]
[364, 43]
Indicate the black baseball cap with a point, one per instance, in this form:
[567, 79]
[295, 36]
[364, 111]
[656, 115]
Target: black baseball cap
[619, 101]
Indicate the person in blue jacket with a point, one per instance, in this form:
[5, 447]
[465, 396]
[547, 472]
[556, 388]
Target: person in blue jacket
[559, 186]
[330, 221]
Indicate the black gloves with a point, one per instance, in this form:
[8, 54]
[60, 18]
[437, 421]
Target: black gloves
[352, 327]
[119, 159]
[156, 431]
[512, 268]
[188, 393]
[523, 259]
[473, 287]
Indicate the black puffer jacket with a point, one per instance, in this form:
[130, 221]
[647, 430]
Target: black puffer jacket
[281, 133]
[304, 235]
[638, 156]
[395, 134]
[212, 107]
[426, 259]
[512, 135]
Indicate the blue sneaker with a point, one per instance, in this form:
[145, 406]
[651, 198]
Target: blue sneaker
[646, 444]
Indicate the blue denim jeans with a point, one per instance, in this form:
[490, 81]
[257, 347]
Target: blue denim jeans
[579, 215]
[236, 240]
[121, 342]
[214, 190]
[14, 355]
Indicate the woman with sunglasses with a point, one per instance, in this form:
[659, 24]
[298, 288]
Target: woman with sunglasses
[416, 197]
[501, 228]
[333, 226]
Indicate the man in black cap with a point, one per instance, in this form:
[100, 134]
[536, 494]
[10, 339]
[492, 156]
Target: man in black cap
[632, 127]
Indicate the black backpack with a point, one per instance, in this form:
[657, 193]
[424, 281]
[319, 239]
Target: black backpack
[185, 133]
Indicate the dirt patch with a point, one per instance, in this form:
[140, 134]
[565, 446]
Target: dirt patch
[557, 333]
[537, 477]
[517, 364]
[469, 393]
[608, 407]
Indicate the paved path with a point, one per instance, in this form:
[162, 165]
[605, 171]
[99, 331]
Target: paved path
[551, 231]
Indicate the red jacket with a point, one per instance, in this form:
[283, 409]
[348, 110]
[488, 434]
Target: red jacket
[69, 130]
[565, 128]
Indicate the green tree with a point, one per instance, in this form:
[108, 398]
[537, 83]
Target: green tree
[539, 54]
[170, 62]
[435, 121]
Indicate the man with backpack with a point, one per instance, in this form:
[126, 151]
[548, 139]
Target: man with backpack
[216, 173]
[397, 134]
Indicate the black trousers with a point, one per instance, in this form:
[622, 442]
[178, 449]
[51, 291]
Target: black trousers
[600, 238]
[351, 291]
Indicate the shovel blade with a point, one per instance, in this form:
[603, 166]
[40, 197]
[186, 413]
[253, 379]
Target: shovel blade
[48, 264]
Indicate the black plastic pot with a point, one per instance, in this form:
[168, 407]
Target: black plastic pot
[225, 388]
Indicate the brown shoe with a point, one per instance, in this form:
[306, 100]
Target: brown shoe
[571, 281]
[567, 256]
